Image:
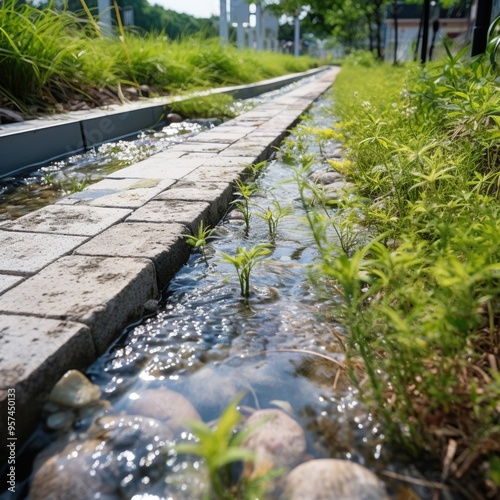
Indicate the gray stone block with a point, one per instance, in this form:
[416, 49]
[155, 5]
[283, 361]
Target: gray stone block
[164, 244]
[7, 281]
[218, 194]
[119, 193]
[169, 211]
[157, 167]
[68, 219]
[104, 293]
[215, 174]
[35, 353]
[27, 253]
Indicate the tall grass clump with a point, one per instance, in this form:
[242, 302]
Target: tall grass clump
[39, 52]
[421, 296]
[48, 57]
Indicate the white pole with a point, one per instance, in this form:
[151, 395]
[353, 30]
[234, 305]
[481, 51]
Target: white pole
[240, 36]
[258, 24]
[223, 28]
[296, 37]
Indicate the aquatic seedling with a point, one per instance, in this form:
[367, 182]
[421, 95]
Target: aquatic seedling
[219, 448]
[273, 215]
[255, 168]
[243, 203]
[199, 240]
[244, 261]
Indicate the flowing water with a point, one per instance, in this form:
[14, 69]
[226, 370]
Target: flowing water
[280, 349]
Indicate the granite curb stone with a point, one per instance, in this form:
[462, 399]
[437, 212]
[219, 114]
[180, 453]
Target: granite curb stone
[163, 244]
[35, 352]
[103, 293]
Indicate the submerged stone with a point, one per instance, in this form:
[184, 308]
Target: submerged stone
[60, 420]
[165, 405]
[67, 474]
[334, 479]
[276, 439]
[118, 457]
[325, 176]
[75, 390]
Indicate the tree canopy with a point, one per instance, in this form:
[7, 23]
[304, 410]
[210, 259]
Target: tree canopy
[154, 18]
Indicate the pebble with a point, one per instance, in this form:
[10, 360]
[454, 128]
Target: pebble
[9, 116]
[163, 404]
[277, 441]
[174, 118]
[75, 390]
[325, 176]
[334, 479]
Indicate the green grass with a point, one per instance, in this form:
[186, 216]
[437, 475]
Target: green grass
[48, 57]
[417, 258]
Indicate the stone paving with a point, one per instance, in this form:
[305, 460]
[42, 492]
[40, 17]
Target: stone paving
[74, 274]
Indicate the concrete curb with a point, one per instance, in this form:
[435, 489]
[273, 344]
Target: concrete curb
[84, 267]
[57, 137]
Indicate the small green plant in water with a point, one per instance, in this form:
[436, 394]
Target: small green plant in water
[244, 192]
[199, 240]
[219, 447]
[244, 261]
[273, 215]
[256, 168]
[74, 185]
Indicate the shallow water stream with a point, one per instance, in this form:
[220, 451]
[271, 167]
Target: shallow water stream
[280, 349]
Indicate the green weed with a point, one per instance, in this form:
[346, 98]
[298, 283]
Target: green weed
[420, 288]
[244, 261]
[219, 448]
[274, 213]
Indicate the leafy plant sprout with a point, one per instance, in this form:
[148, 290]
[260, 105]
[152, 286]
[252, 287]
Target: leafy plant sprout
[199, 240]
[219, 448]
[244, 261]
[244, 191]
[273, 215]
[256, 168]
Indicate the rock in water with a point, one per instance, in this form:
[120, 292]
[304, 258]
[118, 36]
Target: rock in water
[68, 475]
[75, 390]
[325, 176]
[174, 118]
[109, 462]
[333, 479]
[276, 439]
[165, 405]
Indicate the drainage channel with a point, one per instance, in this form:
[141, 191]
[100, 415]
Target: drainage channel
[280, 351]
[76, 273]
[22, 194]
[57, 137]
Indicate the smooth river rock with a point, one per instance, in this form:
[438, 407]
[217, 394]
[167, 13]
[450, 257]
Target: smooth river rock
[67, 474]
[163, 404]
[109, 462]
[332, 479]
[325, 176]
[276, 439]
[75, 390]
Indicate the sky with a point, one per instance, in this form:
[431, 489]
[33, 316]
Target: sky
[197, 8]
